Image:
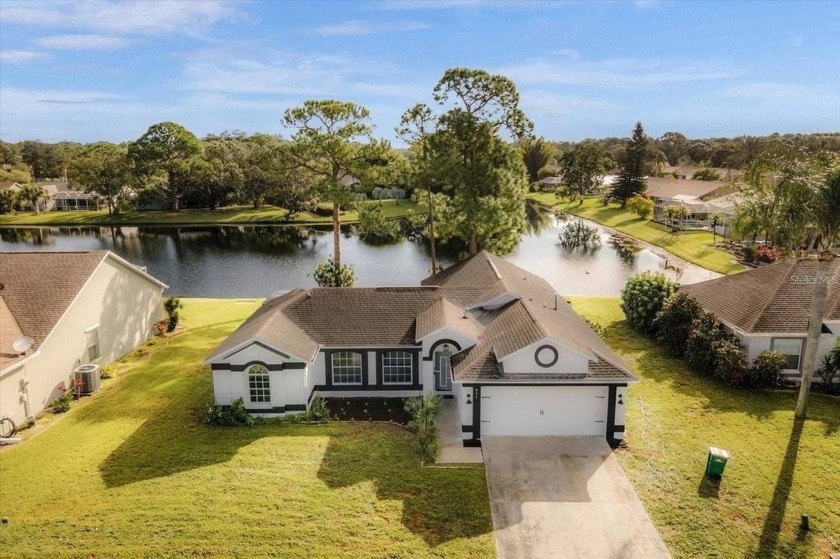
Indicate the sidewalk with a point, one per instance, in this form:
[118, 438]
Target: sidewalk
[452, 449]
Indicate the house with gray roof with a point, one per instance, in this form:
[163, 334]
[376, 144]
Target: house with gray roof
[769, 308]
[60, 310]
[496, 339]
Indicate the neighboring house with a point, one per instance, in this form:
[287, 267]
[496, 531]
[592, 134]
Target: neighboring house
[50, 189]
[550, 183]
[75, 200]
[769, 308]
[514, 356]
[691, 197]
[78, 308]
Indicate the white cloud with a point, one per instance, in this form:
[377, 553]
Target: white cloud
[613, 73]
[298, 75]
[19, 56]
[358, 28]
[82, 42]
[119, 18]
[406, 5]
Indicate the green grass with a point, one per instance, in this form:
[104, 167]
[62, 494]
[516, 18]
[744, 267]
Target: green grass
[693, 246]
[223, 216]
[135, 472]
[779, 470]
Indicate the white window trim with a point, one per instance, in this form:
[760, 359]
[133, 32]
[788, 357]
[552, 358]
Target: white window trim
[410, 366]
[801, 350]
[361, 366]
[91, 328]
[267, 374]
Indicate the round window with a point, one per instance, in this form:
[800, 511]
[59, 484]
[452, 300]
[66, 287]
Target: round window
[546, 356]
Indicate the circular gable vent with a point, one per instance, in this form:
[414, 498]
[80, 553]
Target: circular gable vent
[546, 356]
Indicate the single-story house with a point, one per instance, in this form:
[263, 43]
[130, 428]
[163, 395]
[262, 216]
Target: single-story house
[43, 205]
[498, 340]
[692, 197]
[769, 308]
[66, 309]
[550, 183]
[75, 200]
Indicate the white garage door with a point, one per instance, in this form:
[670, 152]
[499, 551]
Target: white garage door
[543, 410]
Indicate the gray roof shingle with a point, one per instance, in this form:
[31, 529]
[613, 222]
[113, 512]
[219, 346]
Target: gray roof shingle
[771, 299]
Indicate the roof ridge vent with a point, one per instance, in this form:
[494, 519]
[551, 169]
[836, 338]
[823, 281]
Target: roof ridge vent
[494, 268]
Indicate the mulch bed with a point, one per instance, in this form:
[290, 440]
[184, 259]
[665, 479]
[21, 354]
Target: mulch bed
[368, 409]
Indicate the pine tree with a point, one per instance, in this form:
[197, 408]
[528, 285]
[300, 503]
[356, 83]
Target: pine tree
[632, 178]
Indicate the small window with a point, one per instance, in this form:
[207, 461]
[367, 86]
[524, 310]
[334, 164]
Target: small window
[792, 348]
[397, 367]
[346, 367]
[93, 352]
[259, 385]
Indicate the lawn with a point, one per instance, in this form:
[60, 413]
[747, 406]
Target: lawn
[780, 469]
[222, 216]
[692, 246]
[135, 472]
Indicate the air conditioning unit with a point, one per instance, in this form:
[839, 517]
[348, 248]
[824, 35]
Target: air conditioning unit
[89, 376]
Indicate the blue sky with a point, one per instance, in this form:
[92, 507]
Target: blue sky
[88, 71]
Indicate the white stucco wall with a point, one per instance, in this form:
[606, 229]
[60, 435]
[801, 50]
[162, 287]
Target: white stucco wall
[569, 360]
[287, 386]
[124, 304]
[755, 344]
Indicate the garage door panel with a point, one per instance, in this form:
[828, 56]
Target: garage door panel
[543, 410]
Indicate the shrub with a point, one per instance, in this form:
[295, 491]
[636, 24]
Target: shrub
[731, 364]
[108, 371]
[640, 206]
[171, 306]
[424, 411]
[829, 367]
[318, 409]
[768, 254]
[674, 321]
[234, 414]
[643, 297]
[62, 403]
[700, 346]
[327, 274]
[705, 174]
[766, 370]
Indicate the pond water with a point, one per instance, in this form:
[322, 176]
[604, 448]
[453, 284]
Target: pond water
[254, 261]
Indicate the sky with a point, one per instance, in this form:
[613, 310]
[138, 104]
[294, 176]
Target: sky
[90, 71]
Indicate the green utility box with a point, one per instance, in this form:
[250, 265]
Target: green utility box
[716, 461]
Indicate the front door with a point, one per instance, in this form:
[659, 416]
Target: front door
[443, 371]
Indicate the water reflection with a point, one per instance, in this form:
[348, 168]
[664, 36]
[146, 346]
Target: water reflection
[254, 261]
[579, 237]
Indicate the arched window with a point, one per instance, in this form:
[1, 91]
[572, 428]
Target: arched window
[259, 385]
[347, 367]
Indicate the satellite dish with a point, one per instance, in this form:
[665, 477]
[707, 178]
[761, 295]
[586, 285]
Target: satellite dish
[22, 345]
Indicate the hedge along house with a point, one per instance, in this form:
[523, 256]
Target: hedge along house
[769, 308]
[76, 308]
[511, 354]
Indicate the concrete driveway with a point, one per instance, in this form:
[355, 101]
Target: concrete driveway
[564, 497]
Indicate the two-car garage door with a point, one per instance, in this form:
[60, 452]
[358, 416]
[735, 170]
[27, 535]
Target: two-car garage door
[543, 410]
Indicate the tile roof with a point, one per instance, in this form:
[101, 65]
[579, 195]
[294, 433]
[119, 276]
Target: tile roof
[398, 316]
[771, 299]
[38, 287]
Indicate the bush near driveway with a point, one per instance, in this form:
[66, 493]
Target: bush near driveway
[779, 469]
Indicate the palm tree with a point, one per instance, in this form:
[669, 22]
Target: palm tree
[33, 194]
[827, 222]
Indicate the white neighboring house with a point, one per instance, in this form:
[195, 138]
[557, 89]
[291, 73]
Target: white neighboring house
[78, 308]
[769, 308]
[514, 356]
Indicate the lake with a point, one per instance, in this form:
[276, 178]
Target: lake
[255, 261]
